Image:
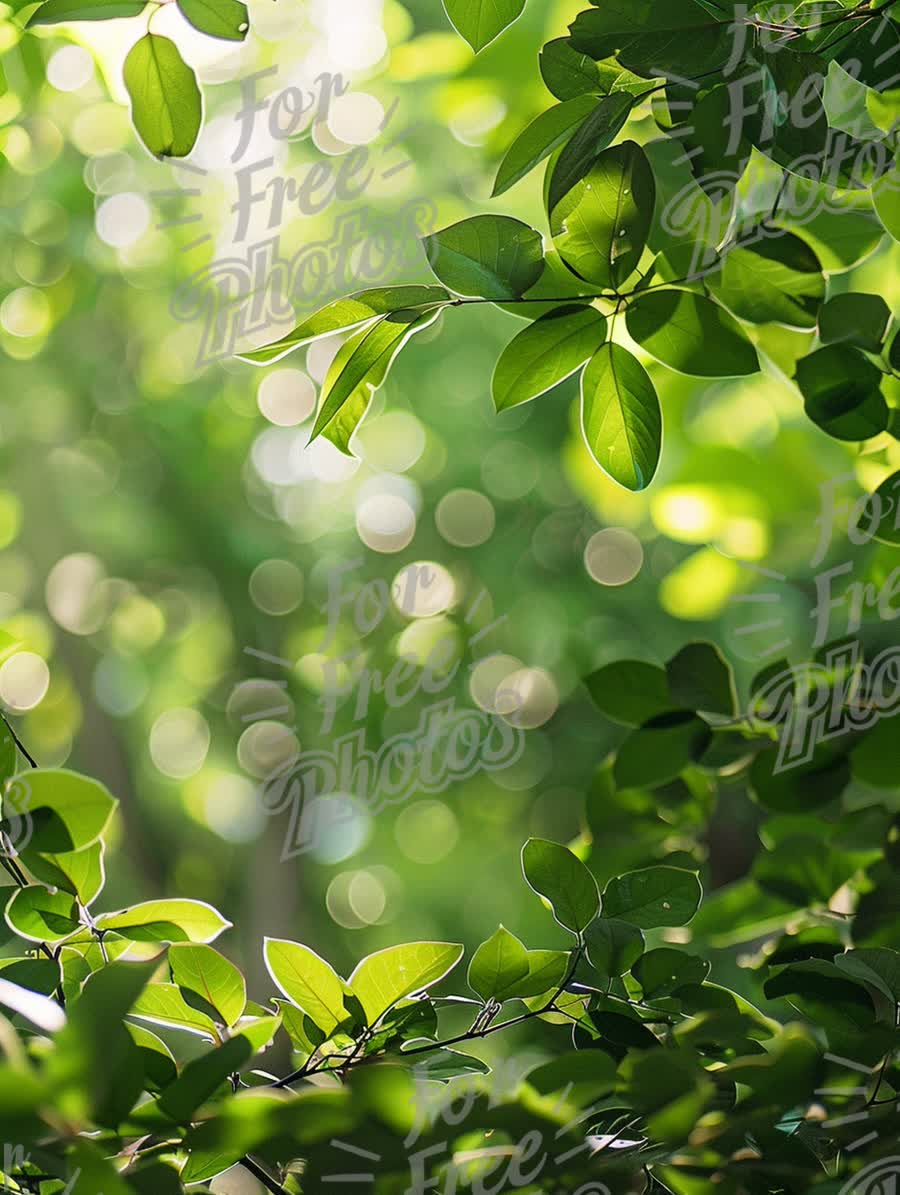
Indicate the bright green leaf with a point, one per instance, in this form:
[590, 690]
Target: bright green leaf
[165, 100]
[545, 353]
[489, 257]
[690, 334]
[620, 417]
[563, 880]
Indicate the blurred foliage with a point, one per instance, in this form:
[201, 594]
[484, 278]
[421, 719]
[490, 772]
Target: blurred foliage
[168, 547]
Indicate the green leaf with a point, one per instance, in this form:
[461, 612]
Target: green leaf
[857, 319]
[562, 879]
[201, 1077]
[886, 508]
[55, 11]
[96, 1067]
[652, 897]
[42, 916]
[546, 971]
[545, 353]
[79, 872]
[385, 977]
[876, 965]
[874, 760]
[9, 754]
[841, 392]
[799, 788]
[565, 72]
[661, 749]
[690, 334]
[600, 225]
[777, 280]
[582, 1074]
[620, 417]
[68, 812]
[480, 21]
[176, 920]
[630, 692]
[219, 18]
[345, 314]
[488, 257]
[613, 945]
[166, 106]
[159, 1065]
[368, 362]
[700, 678]
[545, 134]
[595, 135]
[655, 37]
[662, 971]
[208, 974]
[163, 1004]
[307, 980]
[496, 964]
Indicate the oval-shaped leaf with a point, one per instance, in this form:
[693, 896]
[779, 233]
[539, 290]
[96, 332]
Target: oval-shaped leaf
[385, 977]
[690, 334]
[600, 226]
[42, 916]
[653, 896]
[563, 880]
[630, 692]
[545, 134]
[204, 972]
[661, 749]
[165, 100]
[488, 257]
[567, 73]
[776, 280]
[700, 678]
[219, 18]
[620, 417]
[546, 353]
[176, 920]
[857, 319]
[841, 392]
[308, 981]
[55, 11]
[67, 811]
[497, 964]
[613, 945]
[662, 971]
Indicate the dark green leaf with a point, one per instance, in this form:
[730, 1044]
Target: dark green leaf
[700, 678]
[773, 280]
[653, 897]
[662, 971]
[691, 334]
[567, 73]
[613, 945]
[630, 691]
[655, 37]
[857, 319]
[661, 749]
[841, 392]
[563, 880]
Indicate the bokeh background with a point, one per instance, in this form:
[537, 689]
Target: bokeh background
[166, 534]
